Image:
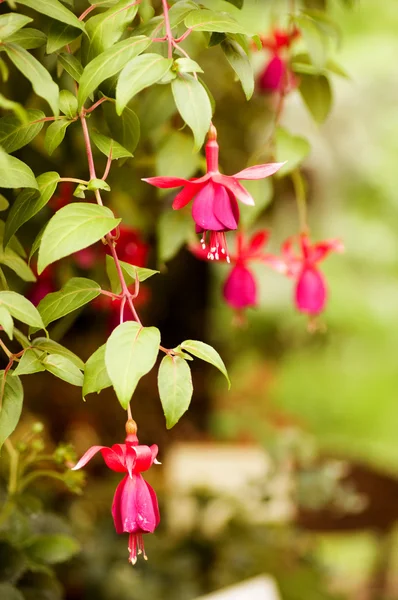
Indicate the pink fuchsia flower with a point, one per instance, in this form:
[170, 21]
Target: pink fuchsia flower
[277, 75]
[135, 508]
[311, 290]
[215, 208]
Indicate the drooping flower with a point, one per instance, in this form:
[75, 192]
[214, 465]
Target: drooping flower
[310, 295]
[277, 75]
[135, 508]
[215, 208]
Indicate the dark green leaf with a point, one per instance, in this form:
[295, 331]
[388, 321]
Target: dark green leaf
[77, 292]
[12, 22]
[14, 173]
[59, 35]
[206, 353]
[64, 369]
[317, 95]
[96, 376]
[55, 10]
[16, 108]
[4, 204]
[237, 3]
[173, 230]
[175, 388]
[71, 65]
[52, 548]
[14, 134]
[124, 129]
[55, 134]
[240, 63]
[194, 106]
[11, 397]
[36, 242]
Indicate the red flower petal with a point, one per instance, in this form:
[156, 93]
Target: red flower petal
[259, 171]
[87, 456]
[225, 207]
[186, 195]
[135, 508]
[320, 251]
[240, 290]
[257, 241]
[310, 293]
[203, 209]
[236, 188]
[166, 182]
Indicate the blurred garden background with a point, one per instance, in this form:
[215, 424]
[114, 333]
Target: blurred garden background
[292, 473]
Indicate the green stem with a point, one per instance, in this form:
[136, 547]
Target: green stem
[14, 458]
[26, 481]
[300, 193]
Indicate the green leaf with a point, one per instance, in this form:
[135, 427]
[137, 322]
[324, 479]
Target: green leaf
[98, 184]
[125, 128]
[106, 29]
[71, 65]
[96, 376]
[240, 63]
[315, 39]
[194, 106]
[206, 353]
[52, 548]
[179, 11]
[55, 10]
[17, 108]
[77, 292]
[79, 191]
[317, 95]
[105, 145]
[10, 259]
[237, 3]
[130, 273]
[14, 173]
[4, 204]
[59, 35]
[11, 399]
[29, 363]
[28, 203]
[73, 228]
[6, 321]
[11, 22]
[55, 134]
[108, 64]
[187, 65]
[9, 592]
[53, 347]
[39, 77]
[64, 369]
[293, 148]
[209, 20]
[28, 38]
[4, 71]
[140, 73]
[176, 156]
[36, 243]
[173, 231]
[131, 352]
[68, 103]
[175, 388]
[14, 134]
[21, 308]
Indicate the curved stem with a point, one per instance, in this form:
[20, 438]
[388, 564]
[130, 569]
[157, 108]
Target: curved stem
[36, 475]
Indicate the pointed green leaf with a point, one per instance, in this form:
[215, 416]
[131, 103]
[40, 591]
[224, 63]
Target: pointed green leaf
[187, 65]
[105, 145]
[11, 400]
[14, 134]
[96, 376]
[317, 95]
[6, 321]
[68, 103]
[51, 549]
[71, 65]
[21, 308]
[209, 20]
[38, 76]
[28, 38]
[77, 292]
[55, 10]
[109, 63]
[11, 22]
[124, 129]
[98, 184]
[206, 353]
[36, 243]
[130, 273]
[241, 64]
[59, 35]
[293, 148]
[63, 368]
[16, 108]
[10, 259]
[138, 74]
[14, 173]
[53, 347]
[55, 134]
[193, 105]
[175, 388]
[28, 203]
[4, 204]
[131, 352]
[29, 363]
[73, 228]
[315, 39]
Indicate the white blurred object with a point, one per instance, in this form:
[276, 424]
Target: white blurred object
[259, 588]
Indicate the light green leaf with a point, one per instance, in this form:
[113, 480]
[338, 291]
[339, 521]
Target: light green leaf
[55, 134]
[79, 191]
[11, 22]
[206, 353]
[16, 108]
[28, 38]
[4, 204]
[9, 592]
[59, 35]
[293, 148]
[209, 20]
[71, 65]
[4, 70]
[130, 353]
[28, 203]
[14, 134]
[29, 363]
[52, 548]
[77, 292]
[96, 376]
[187, 65]
[315, 40]
[173, 230]
[52, 347]
[317, 95]
[55, 10]
[14, 173]
[98, 184]
[73, 228]
[175, 388]
[36, 243]
[140, 73]
[22, 339]
[68, 103]
[125, 128]
[109, 63]
[130, 273]
[6, 321]
[194, 106]
[21, 308]
[10, 259]
[39, 77]
[240, 63]
[63, 368]
[11, 405]
[179, 11]
[105, 145]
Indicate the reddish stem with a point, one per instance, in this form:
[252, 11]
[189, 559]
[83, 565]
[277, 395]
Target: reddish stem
[108, 166]
[87, 12]
[169, 34]
[94, 106]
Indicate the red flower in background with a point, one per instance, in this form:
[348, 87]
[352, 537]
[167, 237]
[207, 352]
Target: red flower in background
[130, 246]
[277, 75]
[215, 208]
[135, 507]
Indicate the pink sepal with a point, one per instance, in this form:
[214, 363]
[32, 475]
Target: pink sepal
[87, 456]
[166, 182]
[259, 171]
[235, 187]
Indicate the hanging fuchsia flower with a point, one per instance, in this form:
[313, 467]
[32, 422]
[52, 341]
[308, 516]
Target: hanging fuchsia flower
[135, 508]
[311, 289]
[277, 75]
[215, 208]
